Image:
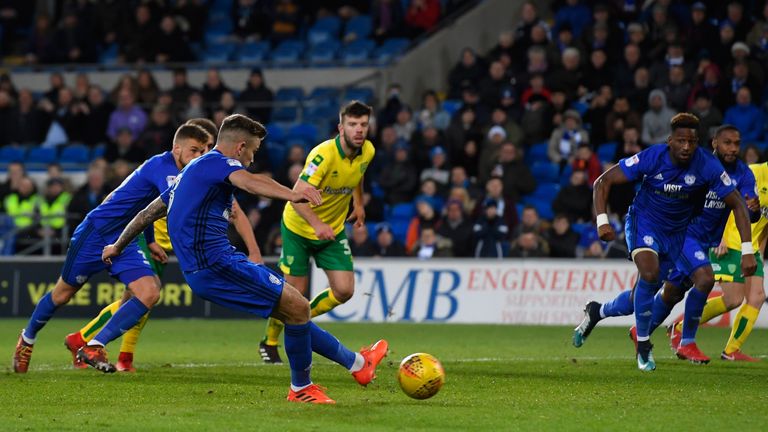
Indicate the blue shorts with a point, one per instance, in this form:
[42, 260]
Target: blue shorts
[84, 258]
[236, 283]
[694, 256]
[641, 234]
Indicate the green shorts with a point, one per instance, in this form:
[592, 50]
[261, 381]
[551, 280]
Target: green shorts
[727, 268]
[157, 267]
[328, 254]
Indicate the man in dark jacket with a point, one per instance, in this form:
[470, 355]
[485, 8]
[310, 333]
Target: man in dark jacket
[575, 200]
[457, 228]
[399, 180]
[256, 97]
[490, 232]
[386, 244]
[562, 239]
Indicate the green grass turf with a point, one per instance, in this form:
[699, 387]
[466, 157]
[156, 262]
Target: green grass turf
[205, 375]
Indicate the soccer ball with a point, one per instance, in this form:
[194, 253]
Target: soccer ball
[420, 376]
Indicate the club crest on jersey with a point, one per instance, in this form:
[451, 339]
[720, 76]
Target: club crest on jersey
[699, 255]
[648, 240]
[234, 162]
[81, 279]
[274, 279]
[726, 179]
[731, 268]
[690, 179]
[170, 179]
[631, 161]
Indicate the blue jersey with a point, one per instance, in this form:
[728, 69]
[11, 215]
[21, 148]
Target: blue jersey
[708, 227]
[670, 195]
[139, 189]
[199, 204]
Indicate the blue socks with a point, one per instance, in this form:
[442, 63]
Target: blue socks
[659, 312]
[620, 306]
[644, 292]
[123, 320]
[329, 347]
[298, 346]
[694, 306]
[43, 312]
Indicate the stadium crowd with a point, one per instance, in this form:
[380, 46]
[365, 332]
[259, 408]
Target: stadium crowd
[499, 165]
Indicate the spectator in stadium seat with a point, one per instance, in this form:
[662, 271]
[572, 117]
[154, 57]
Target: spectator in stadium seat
[598, 72]
[747, 117]
[158, 135]
[388, 114]
[708, 82]
[74, 43]
[429, 191]
[21, 205]
[455, 227]
[463, 127]
[399, 180]
[536, 87]
[147, 90]
[181, 90]
[471, 98]
[565, 139]
[575, 199]
[126, 82]
[97, 117]
[137, 44]
[404, 124]
[432, 113]
[170, 44]
[603, 20]
[387, 17]
[15, 173]
[88, 196]
[656, 119]
[505, 47]
[505, 207]
[576, 14]
[426, 217]
[468, 70]
[536, 120]
[422, 16]
[56, 82]
[29, 123]
[513, 172]
[491, 85]
[529, 17]
[40, 45]
[195, 107]
[721, 51]
[675, 57]
[68, 113]
[701, 33]
[677, 89]
[562, 238]
[569, 77]
[374, 208]
[108, 21]
[621, 116]
[124, 148]
[640, 90]
[213, 87]
[386, 244]
[637, 34]
[80, 89]
[438, 170]
[460, 179]
[360, 243]
[742, 23]
[751, 155]
[624, 72]
[193, 13]
[431, 245]
[709, 116]
[126, 115]
[229, 105]
[52, 208]
[274, 242]
[741, 76]
[296, 155]
[586, 160]
[251, 20]
[257, 97]
[500, 117]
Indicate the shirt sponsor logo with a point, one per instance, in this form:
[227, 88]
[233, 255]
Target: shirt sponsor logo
[632, 161]
[726, 179]
[234, 162]
[337, 191]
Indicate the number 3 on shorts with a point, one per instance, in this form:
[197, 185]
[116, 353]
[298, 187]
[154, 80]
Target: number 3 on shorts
[345, 243]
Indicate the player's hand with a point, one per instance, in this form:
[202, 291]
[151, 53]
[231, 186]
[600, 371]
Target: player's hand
[305, 192]
[108, 252]
[255, 257]
[753, 204]
[720, 250]
[323, 231]
[357, 216]
[748, 265]
[157, 253]
[606, 233]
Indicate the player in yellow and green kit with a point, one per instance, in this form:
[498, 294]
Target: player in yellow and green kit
[336, 167]
[74, 341]
[736, 288]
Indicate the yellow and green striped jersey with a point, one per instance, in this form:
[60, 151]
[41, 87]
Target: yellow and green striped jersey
[731, 233]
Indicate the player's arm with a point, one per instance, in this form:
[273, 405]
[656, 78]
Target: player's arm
[243, 227]
[323, 231]
[736, 203]
[259, 184]
[154, 211]
[602, 188]
[358, 206]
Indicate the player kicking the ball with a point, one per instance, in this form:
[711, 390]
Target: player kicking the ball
[675, 179]
[336, 167]
[197, 207]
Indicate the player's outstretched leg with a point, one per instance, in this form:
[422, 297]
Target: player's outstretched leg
[74, 341]
[643, 301]
[742, 327]
[686, 348]
[594, 312]
[362, 365]
[128, 346]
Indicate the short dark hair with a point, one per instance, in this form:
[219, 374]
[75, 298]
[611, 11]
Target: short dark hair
[238, 123]
[723, 128]
[190, 131]
[684, 121]
[354, 108]
[206, 124]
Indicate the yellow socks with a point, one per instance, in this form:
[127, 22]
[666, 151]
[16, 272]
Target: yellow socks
[742, 327]
[92, 328]
[323, 302]
[714, 307]
[131, 337]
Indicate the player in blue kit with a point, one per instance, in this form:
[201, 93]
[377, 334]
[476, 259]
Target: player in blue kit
[197, 206]
[675, 179]
[102, 226]
[692, 267]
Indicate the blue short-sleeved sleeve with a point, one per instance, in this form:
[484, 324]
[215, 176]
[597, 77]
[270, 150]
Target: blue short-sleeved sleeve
[719, 180]
[748, 184]
[636, 166]
[166, 195]
[226, 166]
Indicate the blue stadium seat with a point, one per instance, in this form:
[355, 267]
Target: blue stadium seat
[285, 114]
[545, 192]
[403, 211]
[607, 151]
[6, 240]
[323, 96]
[304, 131]
[293, 94]
[326, 29]
[277, 154]
[537, 153]
[321, 113]
[224, 6]
[363, 94]
[253, 52]
[391, 49]
[75, 153]
[219, 52]
[98, 151]
[357, 52]
[358, 27]
[275, 133]
[578, 228]
[519, 208]
[451, 106]
[544, 207]
[12, 154]
[41, 155]
[761, 145]
[323, 53]
[288, 52]
[109, 55]
[565, 176]
[545, 172]
[399, 229]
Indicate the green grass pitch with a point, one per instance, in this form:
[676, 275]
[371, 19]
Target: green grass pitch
[206, 375]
